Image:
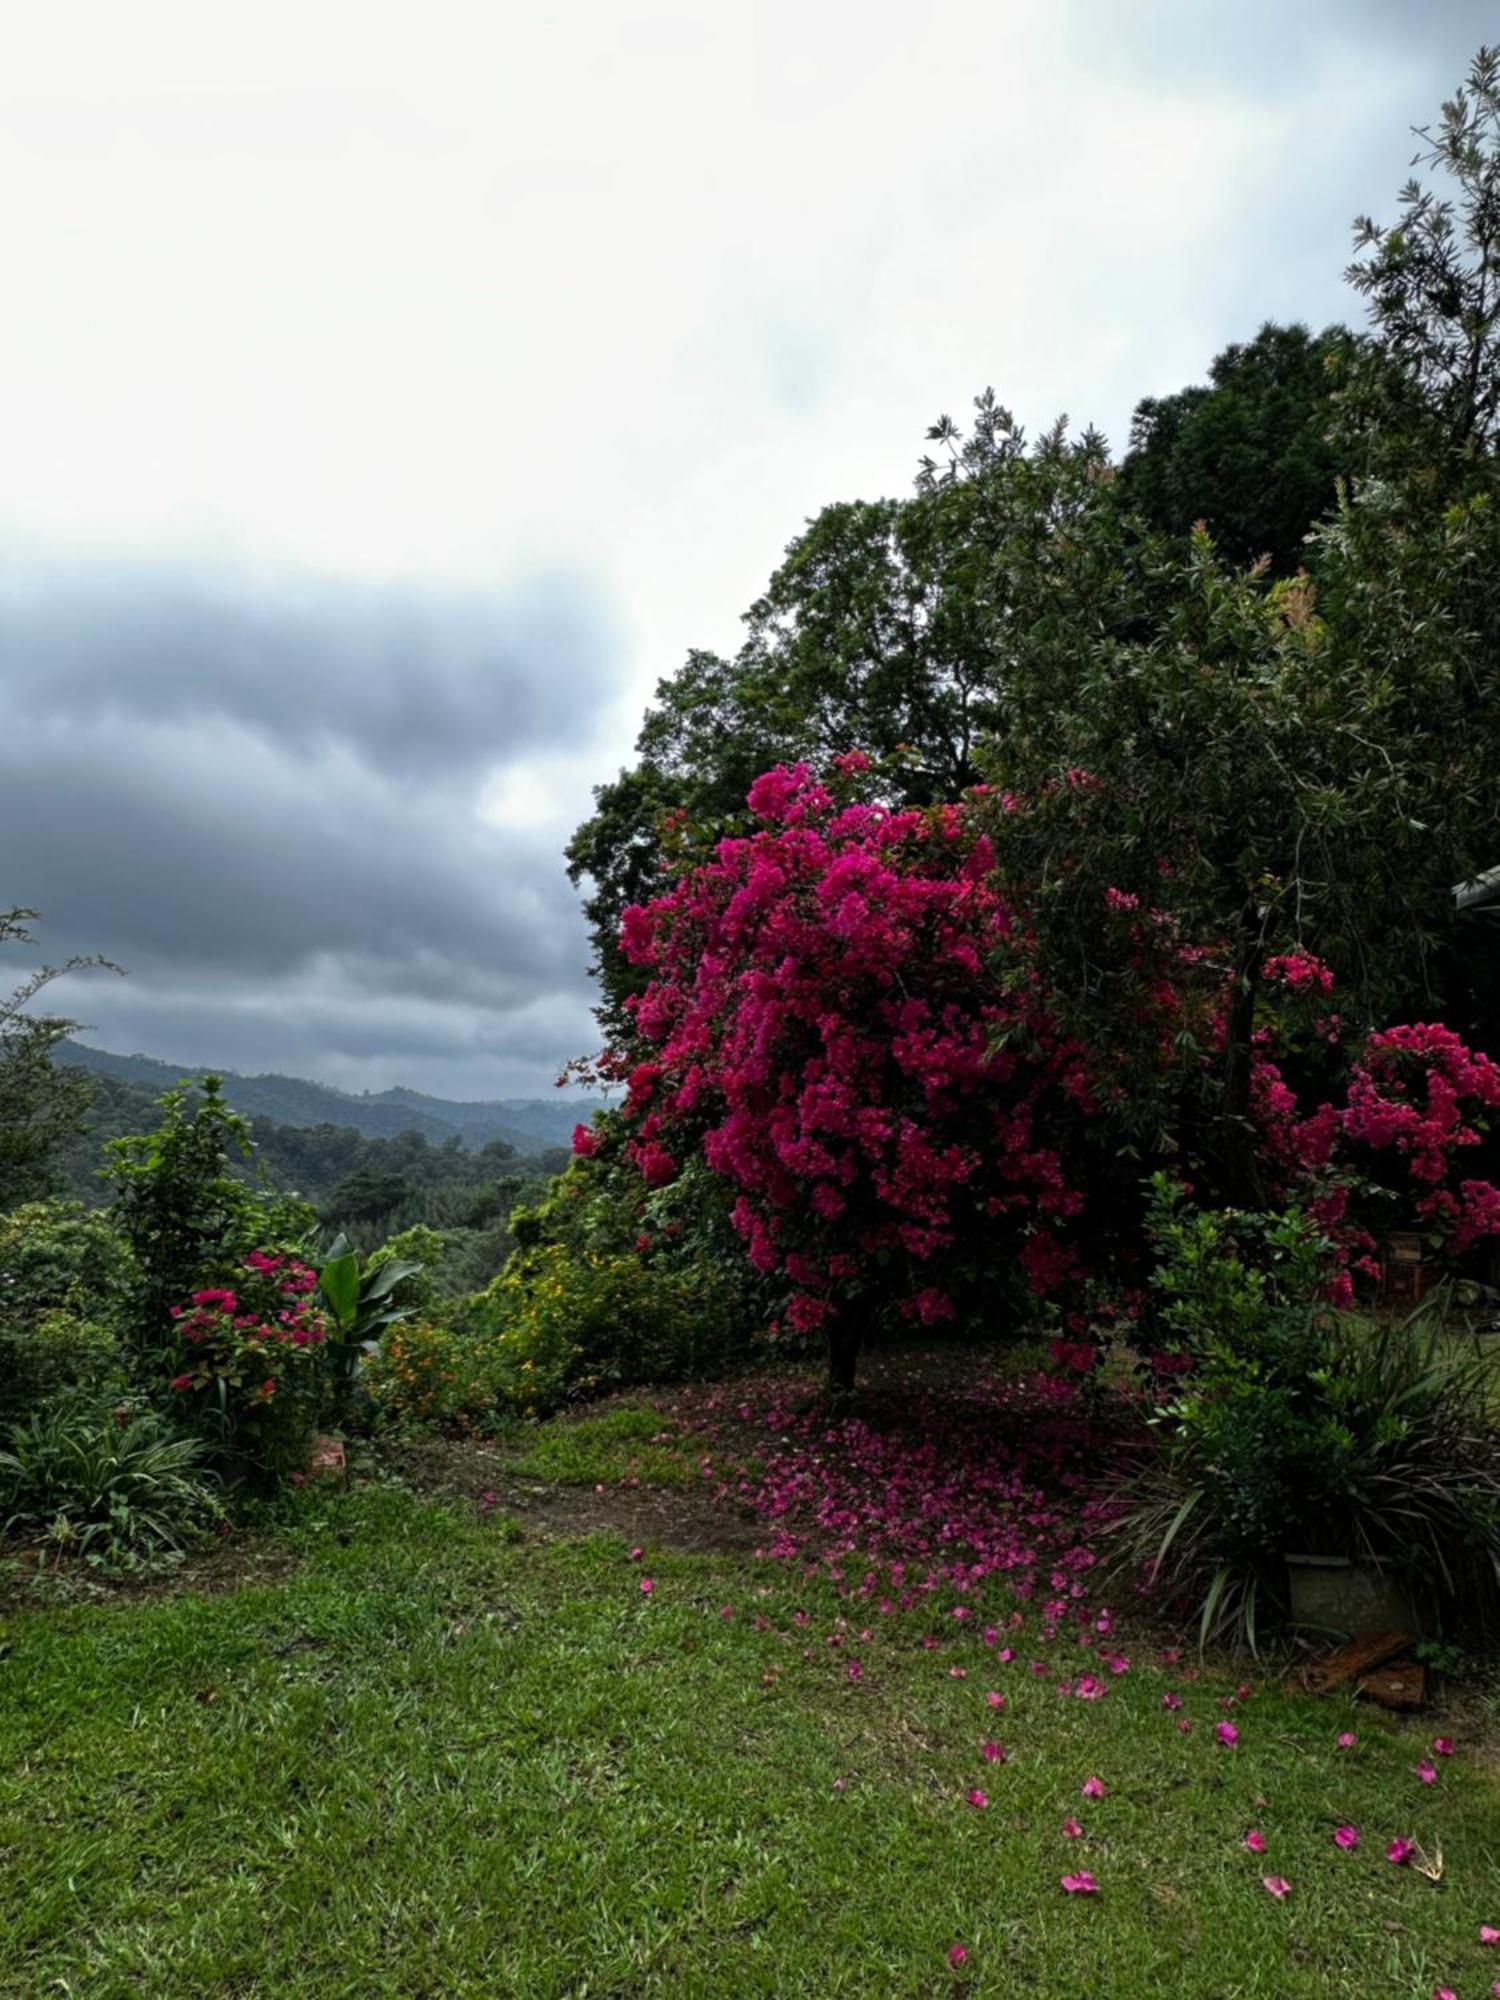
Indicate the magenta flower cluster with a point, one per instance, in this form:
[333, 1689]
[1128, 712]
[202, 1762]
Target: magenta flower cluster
[844, 1026]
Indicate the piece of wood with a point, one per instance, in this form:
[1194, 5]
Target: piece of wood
[1400, 1684]
[1361, 1656]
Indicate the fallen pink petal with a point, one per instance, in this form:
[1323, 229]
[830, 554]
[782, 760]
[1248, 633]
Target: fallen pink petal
[1400, 1851]
[976, 1798]
[1227, 1734]
[1093, 1788]
[1071, 1829]
[1081, 1884]
[957, 1956]
[1255, 1840]
[1277, 1886]
[1426, 1772]
[1346, 1836]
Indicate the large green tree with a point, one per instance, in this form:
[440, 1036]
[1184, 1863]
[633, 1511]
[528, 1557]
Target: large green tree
[1248, 454]
[887, 629]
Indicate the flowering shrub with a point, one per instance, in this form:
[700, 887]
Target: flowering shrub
[431, 1374]
[844, 1026]
[1414, 1102]
[250, 1362]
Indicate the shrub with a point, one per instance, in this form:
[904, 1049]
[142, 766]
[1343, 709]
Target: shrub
[1304, 1431]
[54, 1355]
[113, 1486]
[64, 1274]
[185, 1216]
[60, 1256]
[249, 1364]
[433, 1375]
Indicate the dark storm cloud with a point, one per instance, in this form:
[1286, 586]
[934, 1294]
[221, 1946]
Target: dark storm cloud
[411, 682]
[262, 800]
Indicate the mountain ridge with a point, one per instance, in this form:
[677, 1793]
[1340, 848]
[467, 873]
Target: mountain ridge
[530, 1124]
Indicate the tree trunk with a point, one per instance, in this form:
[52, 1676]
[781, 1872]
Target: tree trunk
[843, 1353]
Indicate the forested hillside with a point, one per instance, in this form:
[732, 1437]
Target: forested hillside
[529, 1124]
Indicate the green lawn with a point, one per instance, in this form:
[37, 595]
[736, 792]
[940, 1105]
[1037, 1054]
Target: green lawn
[432, 1759]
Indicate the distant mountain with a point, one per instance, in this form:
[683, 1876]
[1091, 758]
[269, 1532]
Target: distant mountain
[530, 1124]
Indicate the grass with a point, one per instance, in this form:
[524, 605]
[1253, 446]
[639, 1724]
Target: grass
[428, 1760]
[628, 1442]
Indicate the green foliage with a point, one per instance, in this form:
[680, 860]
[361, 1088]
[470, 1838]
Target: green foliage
[1235, 1286]
[186, 1218]
[1249, 455]
[888, 628]
[53, 1356]
[438, 1376]
[63, 1276]
[57, 1255]
[360, 1301]
[1430, 280]
[41, 1105]
[116, 1488]
[1305, 1432]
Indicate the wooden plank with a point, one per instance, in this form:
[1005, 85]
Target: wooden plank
[1362, 1654]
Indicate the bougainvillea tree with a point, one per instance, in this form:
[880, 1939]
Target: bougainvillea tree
[841, 1019]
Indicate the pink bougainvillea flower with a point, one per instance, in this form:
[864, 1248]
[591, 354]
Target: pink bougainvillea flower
[1090, 1687]
[957, 1956]
[1170, 1700]
[647, 1586]
[1400, 1851]
[856, 1671]
[958, 1673]
[1443, 1993]
[1081, 1884]
[636, 1554]
[1093, 1788]
[1227, 1734]
[995, 1700]
[1346, 1739]
[1184, 1725]
[1443, 1745]
[1426, 1772]
[1488, 1934]
[1277, 1886]
[1346, 1836]
[976, 1798]
[1071, 1829]
[1005, 1655]
[1255, 1840]
[993, 1753]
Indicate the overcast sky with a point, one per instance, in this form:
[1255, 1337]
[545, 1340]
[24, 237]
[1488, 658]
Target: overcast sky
[390, 394]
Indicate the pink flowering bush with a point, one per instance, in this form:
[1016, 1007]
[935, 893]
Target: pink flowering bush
[841, 1023]
[250, 1361]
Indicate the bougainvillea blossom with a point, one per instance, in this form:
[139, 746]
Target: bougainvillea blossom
[844, 1025]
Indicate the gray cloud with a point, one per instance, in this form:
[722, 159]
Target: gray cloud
[412, 682]
[263, 801]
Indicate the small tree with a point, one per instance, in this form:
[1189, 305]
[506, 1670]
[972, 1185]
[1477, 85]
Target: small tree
[186, 1217]
[41, 1106]
[846, 1029]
